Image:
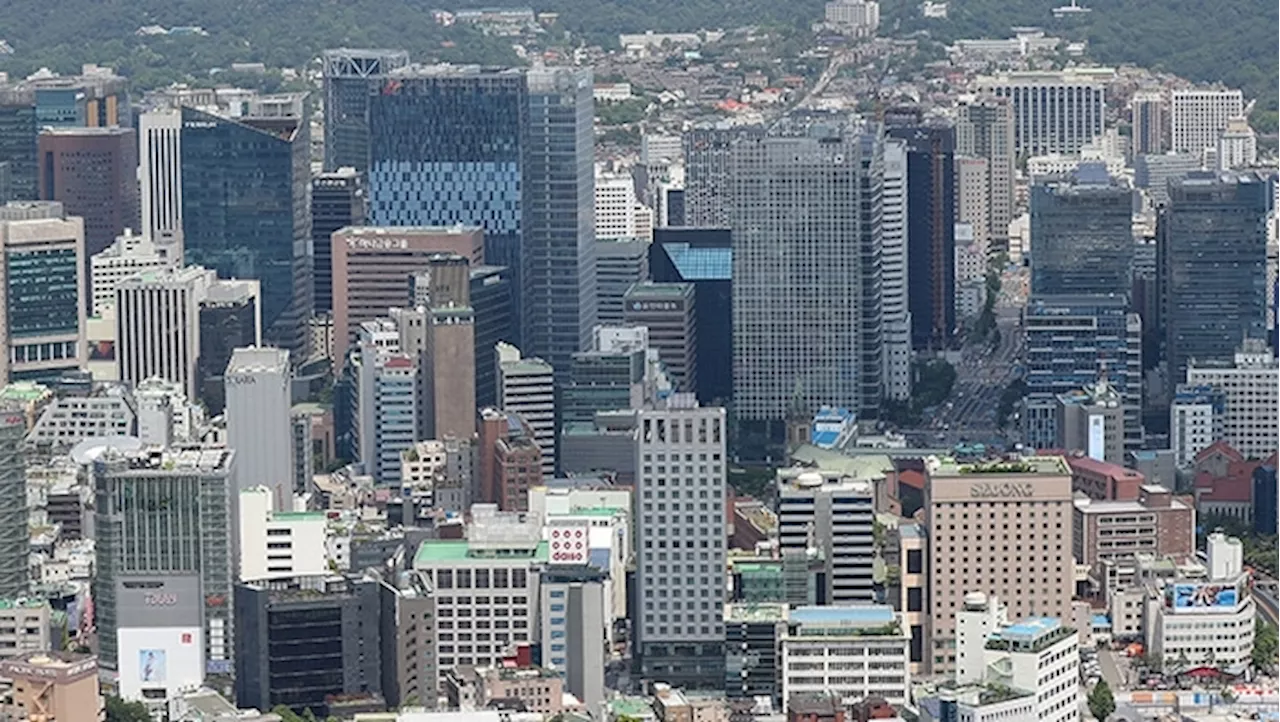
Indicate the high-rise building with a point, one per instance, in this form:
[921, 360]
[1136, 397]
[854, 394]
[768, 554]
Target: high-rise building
[373, 267]
[1237, 145]
[1248, 385]
[680, 557]
[337, 201]
[985, 129]
[130, 254]
[510, 460]
[573, 631]
[1147, 118]
[1198, 116]
[702, 257]
[834, 514]
[820, 192]
[14, 536]
[245, 210]
[1153, 172]
[259, 421]
[931, 240]
[160, 173]
[615, 206]
[1082, 235]
[894, 266]
[162, 600]
[708, 186]
[491, 302]
[350, 77]
[669, 311]
[18, 132]
[972, 198]
[969, 555]
[387, 400]
[620, 263]
[526, 386]
[449, 358]
[93, 172]
[43, 304]
[1211, 257]
[230, 318]
[1195, 421]
[1053, 111]
[608, 377]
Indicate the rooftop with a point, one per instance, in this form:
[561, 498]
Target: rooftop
[438, 551]
[649, 288]
[1033, 635]
[761, 612]
[1027, 466]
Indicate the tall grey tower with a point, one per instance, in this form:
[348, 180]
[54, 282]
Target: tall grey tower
[1081, 234]
[349, 77]
[807, 314]
[708, 182]
[15, 540]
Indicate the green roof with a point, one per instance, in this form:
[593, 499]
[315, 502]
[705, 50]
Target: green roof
[299, 515]
[24, 391]
[631, 707]
[595, 511]
[439, 551]
[23, 603]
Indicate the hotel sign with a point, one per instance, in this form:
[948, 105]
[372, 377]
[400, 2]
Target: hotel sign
[378, 244]
[1000, 490]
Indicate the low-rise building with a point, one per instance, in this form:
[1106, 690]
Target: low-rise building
[52, 686]
[1103, 480]
[851, 651]
[24, 627]
[1109, 536]
[279, 544]
[1039, 655]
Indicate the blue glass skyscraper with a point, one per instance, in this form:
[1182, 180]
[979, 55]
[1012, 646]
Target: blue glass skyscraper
[245, 183]
[1081, 234]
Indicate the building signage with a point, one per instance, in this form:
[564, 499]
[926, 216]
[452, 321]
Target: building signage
[199, 124]
[1000, 490]
[241, 380]
[378, 244]
[160, 600]
[654, 306]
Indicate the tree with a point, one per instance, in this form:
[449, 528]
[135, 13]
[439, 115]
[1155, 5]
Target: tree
[286, 714]
[1266, 646]
[1101, 702]
[119, 710]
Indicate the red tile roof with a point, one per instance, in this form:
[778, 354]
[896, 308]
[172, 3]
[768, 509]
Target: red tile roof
[911, 478]
[1219, 446]
[1102, 468]
[1235, 486]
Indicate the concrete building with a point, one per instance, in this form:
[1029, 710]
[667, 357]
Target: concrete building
[831, 513]
[260, 420]
[52, 686]
[15, 539]
[709, 176]
[753, 648]
[1152, 173]
[439, 474]
[1110, 535]
[1249, 386]
[985, 129]
[1039, 655]
[894, 264]
[502, 551]
[387, 405]
[278, 544]
[129, 255]
[973, 200]
[1196, 417]
[160, 175]
[843, 637]
[575, 615]
[1197, 117]
[1103, 480]
[1237, 145]
[620, 263]
[615, 205]
[669, 311]
[410, 669]
[858, 18]
[230, 319]
[683, 644]
[1147, 118]
[510, 459]
[973, 554]
[93, 173]
[108, 410]
[44, 303]
[526, 386]
[25, 626]
[448, 355]
[1053, 111]
[372, 266]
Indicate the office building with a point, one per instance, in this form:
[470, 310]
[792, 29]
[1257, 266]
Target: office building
[620, 263]
[230, 318]
[782, 201]
[844, 636]
[1153, 172]
[387, 403]
[245, 211]
[526, 386]
[160, 176]
[753, 649]
[668, 310]
[572, 607]
[972, 202]
[142, 494]
[969, 555]
[831, 513]
[502, 553]
[608, 378]
[680, 565]
[14, 534]
[259, 420]
[1249, 385]
[1053, 111]
[410, 670]
[60, 686]
[1038, 654]
[158, 325]
[44, 303]
[491, 302]
[18, 133]
[1206, 620]
[510, 460]
[351, 76]
[93, 173]
[1082, 235]
[1237, 145]
[129, 255]
[708, 185]
[858, 18]
[1110, 535]
[702, 257]
[337, 201]
[373, 267]
[1196, 417]
[985, 129]
[278, 544]
[1211, 257]
[1105, 481]
[930, 224]
[450, 393]
[894, 272]
[1197, 117]
[615, 206]
[1147, 118]
[337, 621]
[108, 410]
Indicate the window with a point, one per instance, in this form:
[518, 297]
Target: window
[915, 561]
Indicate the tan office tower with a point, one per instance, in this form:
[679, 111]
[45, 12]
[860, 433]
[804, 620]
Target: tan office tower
[373, 267]
[985, 129]
[1002, 528]
[449, 361]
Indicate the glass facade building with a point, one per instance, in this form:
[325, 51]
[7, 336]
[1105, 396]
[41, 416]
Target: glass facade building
[350, 77]
[703, 257]
[491, 300]
[18, 141]
[1082, 235]
[1211, 261]
[245, 213]
[337, 201]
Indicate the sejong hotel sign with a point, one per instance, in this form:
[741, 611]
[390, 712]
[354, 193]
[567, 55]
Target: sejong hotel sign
[1001, 490]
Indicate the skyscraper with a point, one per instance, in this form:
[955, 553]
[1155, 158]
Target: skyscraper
[669, 311]
[350, 77]
[337, 201]
[985, 129]
[1148, 118]
[93, 172]
[45, 290]
[1053, 111]
[245, 212]
[620, 262]
[18, 142]
[491, 301]
[931, 240]
[894, 265]
[680, 559]
[806, 266]
[449, 361]
[259, 425]
[708, 178]
[230, 318]
[15, 538]
[526, 386]
[1197, 117]
[1211, 259]
[160, 172]
[702, 257]
[1082, 234]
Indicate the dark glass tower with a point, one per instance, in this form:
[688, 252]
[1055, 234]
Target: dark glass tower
[18, 142]
[245, 213]
[704, 258]
[1082, 235]
[228, 321]
[491, 299]
[349, 77]
[337, 201]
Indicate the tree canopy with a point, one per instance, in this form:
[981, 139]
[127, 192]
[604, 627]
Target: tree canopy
[1102, 704]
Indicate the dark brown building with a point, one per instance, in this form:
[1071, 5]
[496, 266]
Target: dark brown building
[510, 460]
[1112, 534]
[93, 172]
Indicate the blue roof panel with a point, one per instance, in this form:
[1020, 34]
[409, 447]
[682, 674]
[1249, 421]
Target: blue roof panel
[700, 264]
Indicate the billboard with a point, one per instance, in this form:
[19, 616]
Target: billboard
[1098, 438]
[157, 661]
[1202, 597]
[159, 601]
[569, 542]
